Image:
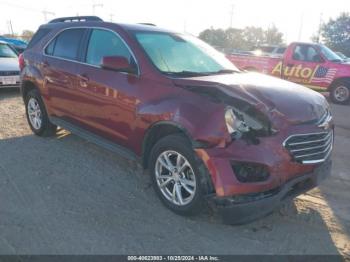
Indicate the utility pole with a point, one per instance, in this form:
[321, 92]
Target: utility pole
[231, 14]
[319, 28]
[301, 26]
[10, 27]
[94, 7]
[45, 13]
[111, 16]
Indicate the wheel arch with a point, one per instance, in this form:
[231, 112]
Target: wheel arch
[159, 130]
[27, 86]
[340, 80]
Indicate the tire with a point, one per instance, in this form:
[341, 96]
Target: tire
[195, 174]
[340, 93]
[37, 117]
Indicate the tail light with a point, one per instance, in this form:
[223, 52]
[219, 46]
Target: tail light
[21, 62]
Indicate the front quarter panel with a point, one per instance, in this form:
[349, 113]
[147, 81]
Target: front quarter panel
[202, 120]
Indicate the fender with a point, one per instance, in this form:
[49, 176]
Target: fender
[186, 113]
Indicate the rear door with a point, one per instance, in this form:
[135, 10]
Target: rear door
[59, 66]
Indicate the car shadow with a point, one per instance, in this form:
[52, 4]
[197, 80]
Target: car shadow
[64, 195]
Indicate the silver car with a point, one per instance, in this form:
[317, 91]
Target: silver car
[9, 68]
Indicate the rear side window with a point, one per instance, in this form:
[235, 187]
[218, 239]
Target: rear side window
[66, 44]
[106, 43]
[40, 34]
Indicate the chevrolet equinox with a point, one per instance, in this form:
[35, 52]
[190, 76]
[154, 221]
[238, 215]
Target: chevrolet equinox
[209, 134]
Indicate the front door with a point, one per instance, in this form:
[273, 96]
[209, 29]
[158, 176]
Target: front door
[301, 66]
[108, 98]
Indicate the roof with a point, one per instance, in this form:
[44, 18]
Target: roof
[96, 21]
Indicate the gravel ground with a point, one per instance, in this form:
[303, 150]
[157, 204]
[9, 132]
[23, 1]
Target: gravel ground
[63, 195]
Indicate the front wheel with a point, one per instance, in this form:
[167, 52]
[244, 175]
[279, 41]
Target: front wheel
[340, 93]
[176, 175]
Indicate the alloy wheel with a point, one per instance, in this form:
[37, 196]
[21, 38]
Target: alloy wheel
[175, 178]
[34, 113]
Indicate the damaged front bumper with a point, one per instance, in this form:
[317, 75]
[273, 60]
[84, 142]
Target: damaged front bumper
[242, 209]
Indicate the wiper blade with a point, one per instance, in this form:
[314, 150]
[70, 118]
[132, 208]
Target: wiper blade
[225, 71]
[187, 73]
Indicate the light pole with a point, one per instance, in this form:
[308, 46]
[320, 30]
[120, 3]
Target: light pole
[45, 13]
[94, 7]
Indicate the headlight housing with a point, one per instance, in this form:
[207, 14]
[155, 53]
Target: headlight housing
[235, 124]
[239, 123]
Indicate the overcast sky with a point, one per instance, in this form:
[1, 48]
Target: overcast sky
[191, 16]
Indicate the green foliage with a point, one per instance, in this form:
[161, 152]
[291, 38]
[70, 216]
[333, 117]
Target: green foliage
[243, 39]
[336, 34]
[27, 35]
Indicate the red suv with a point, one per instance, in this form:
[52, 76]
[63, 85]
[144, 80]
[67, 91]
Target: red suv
[207, 132]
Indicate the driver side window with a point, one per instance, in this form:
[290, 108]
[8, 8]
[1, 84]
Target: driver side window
[106, 43]
[306, 53]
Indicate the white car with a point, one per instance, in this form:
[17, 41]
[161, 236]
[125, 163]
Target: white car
[9, 67]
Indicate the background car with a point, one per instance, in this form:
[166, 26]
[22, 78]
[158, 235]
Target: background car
[17, 44]
[9, 68]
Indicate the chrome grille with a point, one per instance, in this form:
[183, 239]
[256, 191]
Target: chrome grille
[310, 148]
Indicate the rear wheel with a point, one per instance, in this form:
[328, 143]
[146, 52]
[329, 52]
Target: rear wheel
[176, 175]
[340, 93]
[37, 117]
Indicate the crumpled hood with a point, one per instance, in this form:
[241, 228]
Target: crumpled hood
[272, 96]
[9, 64]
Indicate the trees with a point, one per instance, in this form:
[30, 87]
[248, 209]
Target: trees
[215, 37]
[272, 36]
[27, 35]
[336, 34]
[244, 39]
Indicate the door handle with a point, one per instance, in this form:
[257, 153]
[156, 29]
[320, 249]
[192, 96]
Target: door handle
[83, 80]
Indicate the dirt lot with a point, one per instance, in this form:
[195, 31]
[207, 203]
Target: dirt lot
[63, 195]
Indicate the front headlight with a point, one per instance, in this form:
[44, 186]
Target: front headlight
[235, 123]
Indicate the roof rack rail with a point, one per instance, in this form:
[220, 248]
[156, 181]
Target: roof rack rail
[76, 19]
[147, 24]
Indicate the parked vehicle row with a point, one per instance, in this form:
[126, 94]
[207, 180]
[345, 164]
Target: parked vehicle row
[9, 68]
[205, 130]
[312, 65]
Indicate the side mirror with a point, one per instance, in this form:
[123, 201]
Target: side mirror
[117, 63]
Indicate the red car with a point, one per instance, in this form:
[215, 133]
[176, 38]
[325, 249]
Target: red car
[207, 133]
[311, 65]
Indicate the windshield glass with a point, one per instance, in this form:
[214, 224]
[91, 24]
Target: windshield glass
[329, 54]
[183, 54]
[6, 51]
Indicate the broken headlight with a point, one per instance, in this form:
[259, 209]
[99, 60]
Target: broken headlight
[238, 122]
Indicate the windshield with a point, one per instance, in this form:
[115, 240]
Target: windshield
[329, 54]
[6, 51]
[183, 54]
